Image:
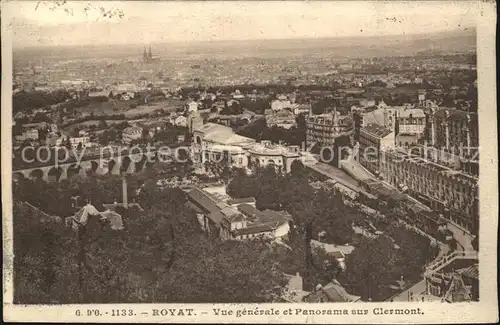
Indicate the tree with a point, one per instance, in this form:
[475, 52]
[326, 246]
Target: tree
[102, 124]
[67, 143]
[149, 261]
[370, 268]
[298, 170]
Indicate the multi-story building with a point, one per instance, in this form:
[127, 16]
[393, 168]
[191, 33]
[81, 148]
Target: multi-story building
[453, 129]
[325, 128]
[383, 115]
[452, 193]
[31, 134]
[410, 126]
[281, 104]
[410, 121]
[374, 138]
[284, 118]
[266, 154]
[214, 143]
[453, 277]
[454, 133]
[236, 222]
[83, 140]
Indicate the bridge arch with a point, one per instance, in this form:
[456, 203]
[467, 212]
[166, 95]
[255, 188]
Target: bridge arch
[126, 161]
[55, 174]
[36, 174]
[111, 165]
[18, 176]
[94, 165]
[73, 170]
[141, 164]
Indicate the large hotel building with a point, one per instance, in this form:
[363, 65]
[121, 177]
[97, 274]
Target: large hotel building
[440, 171]
[324, 129]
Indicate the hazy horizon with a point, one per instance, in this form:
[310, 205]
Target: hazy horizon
[186, 22]
[407, 37]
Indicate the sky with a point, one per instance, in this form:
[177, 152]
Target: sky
[152, 22]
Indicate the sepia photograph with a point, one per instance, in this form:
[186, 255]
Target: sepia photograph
[277, 153]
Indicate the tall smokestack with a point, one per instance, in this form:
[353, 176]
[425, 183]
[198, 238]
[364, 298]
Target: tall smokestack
[124, 190]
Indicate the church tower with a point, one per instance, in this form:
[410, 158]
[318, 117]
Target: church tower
[145, 56]
[150, 54]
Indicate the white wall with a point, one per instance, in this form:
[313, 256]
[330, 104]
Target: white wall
[282, 230]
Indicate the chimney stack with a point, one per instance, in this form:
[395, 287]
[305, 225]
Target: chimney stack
[124, 190]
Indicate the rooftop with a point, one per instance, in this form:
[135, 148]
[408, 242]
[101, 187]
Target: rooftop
[248, 209]
[241, 200]
[334, 292]
[203, 201]
[454, 113]
[411, 112]
[220, 134]
[271, 149]
[377, 130]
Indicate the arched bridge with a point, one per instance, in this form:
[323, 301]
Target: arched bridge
[127, 163]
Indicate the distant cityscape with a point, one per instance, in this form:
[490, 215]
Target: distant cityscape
[316, 178]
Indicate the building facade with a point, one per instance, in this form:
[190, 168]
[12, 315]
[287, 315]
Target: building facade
[455, 134]
[239, 222]
[76, 141]
[130, 134]
[266, 154]
[373, 139]
[324, 129]
[452, 193]
[218, 144]
[411, 121]
[284, 118]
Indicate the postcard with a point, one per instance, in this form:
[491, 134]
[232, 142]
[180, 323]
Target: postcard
[249, 161]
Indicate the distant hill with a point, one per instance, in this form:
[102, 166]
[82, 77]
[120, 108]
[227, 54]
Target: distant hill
[402, 45]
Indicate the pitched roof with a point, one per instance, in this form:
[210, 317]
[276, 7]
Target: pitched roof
[334, 293]
[376, 116]
[216, 217]
[222, 134]
[414, 112]
[241, 200]
[247, 209]
[82, 216]
[274, 216]
[376, 130]
[203, 201]
[114, 219]
[470, 272]
[254, 230]
[193, 207]
[454, 113]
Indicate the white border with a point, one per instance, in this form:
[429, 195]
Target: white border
[434, 313]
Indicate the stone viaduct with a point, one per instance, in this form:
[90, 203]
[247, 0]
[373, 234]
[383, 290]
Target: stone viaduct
[125, 164]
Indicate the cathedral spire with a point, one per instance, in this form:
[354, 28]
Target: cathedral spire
[145, 55]
[150, 54]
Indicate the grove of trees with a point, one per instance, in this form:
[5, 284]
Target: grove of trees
[315, 209]
[161, 256]
[259, 130]
[372, 267]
